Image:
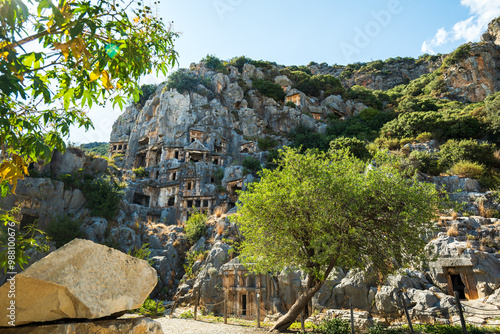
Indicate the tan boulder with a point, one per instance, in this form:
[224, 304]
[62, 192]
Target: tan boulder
[129, 326]
[82, 279]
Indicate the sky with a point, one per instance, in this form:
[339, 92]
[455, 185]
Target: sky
[296, 32]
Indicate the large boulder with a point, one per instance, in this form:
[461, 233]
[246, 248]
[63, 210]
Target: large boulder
[80, 280]
[129, 326]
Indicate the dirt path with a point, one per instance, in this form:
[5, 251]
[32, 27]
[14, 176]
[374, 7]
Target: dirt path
[187, 326]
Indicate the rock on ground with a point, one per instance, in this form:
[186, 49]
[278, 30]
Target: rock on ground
[117, 326]
[80, 280]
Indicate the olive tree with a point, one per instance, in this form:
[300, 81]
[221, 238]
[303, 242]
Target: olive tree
[318, 211]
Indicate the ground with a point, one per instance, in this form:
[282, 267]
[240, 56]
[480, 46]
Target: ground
[189, 326]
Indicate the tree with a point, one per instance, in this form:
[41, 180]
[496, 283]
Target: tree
[56, 61]
[318, 211]
[85, 53]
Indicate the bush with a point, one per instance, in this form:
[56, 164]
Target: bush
[307, 138]
[333, 326]
[424, 137]
[146, 92]
[140, 172]
[365, 126]
[355, 146]
[459, 54]
[219, 175]
[184, 80]
[64, 229]
[445, 125]
[148, 308]
[215, 63]
[195, 226]
[103, 197]
[251, 163]
[269, 89]
[290, 104]
[469, 169]
[364, 95]
[454, 151]
[389, 143]
[266, 143]
[425, 162]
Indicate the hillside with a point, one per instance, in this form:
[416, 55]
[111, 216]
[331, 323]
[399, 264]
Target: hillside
[183, 153]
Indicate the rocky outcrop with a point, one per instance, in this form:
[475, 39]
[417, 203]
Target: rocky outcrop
[129, 326]
[80, 280]
[476, 76]
[383, 75]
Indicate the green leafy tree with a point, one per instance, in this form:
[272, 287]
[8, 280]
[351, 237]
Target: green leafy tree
[85, 53]
[196, 226]
[318, 211]
[59, 59]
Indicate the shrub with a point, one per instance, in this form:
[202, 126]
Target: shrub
[469, 169]
[140, 172]
[459, 54]
[333, 326]
[266, 143]
[446, 125]
[269, 89]
[215, 63]
[364, 95]
[454, 151]
[313, 85]
[64, 229]
[389, 143]
[219, 175]
[365, 126]
[184, 80]
[142, 253]
[425, 162]
[307, 138]
[251, 163]
[103, 196]
[424, 137]
[146, 92]
[148, 308]
[355, 146]
[290, 104]
[195, 226]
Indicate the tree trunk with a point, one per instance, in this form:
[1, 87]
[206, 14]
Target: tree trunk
[312, 287]
[285, 321]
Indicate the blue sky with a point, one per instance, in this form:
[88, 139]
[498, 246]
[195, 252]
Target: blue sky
[296, 32]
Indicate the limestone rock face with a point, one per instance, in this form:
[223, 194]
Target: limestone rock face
[80, 280]
[129, 326]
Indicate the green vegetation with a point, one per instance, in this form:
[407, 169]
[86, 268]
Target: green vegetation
[55, 63]
[269, 89]
[454, 151]
[148, 308]
[27, 238]
[64, 229]
[364, 126]
[142, 253]
[219, 175]
[97, 148]
[196, 226]
[266, 143]
[330, 192]
[467, 169]
[140, 172]
[146, 92]
[352, 145]
[185, 80]
[333, 326]
[459, 54]
[215, 64]
[103, 196]
[251, 164]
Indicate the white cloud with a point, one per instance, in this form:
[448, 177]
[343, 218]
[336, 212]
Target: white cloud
[469, 30]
